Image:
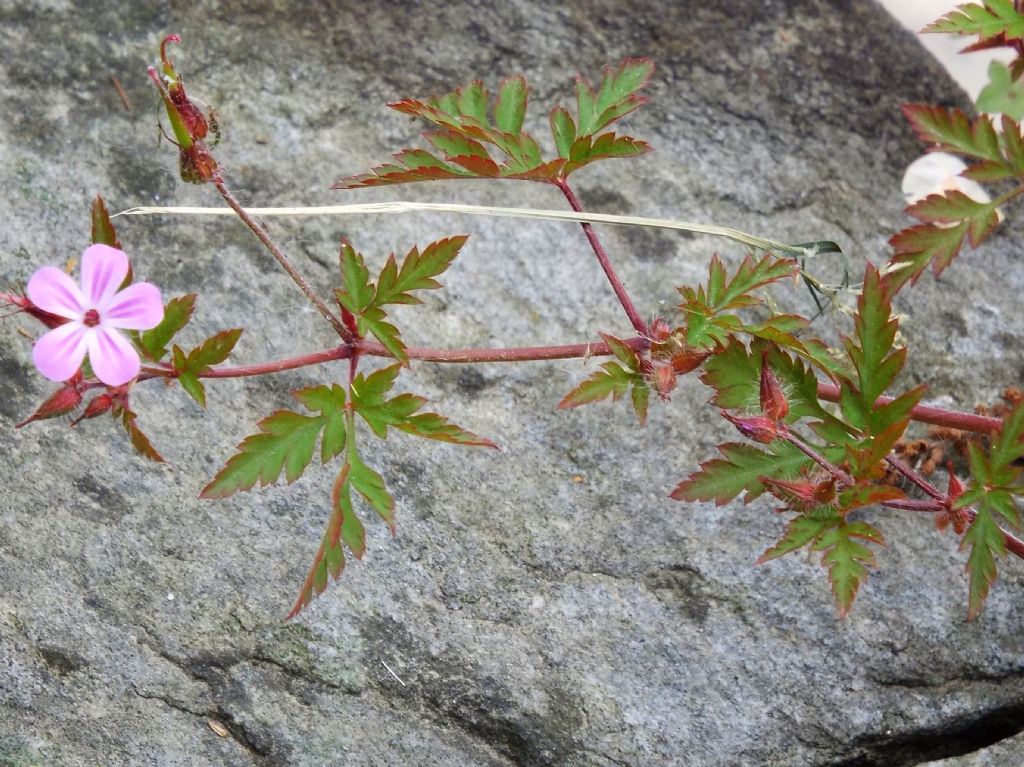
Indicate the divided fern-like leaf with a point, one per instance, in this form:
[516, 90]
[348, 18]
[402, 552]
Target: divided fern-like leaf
[469, 128]
[212, 351]
[741, 470]
[286, 442]
[177, 313]
[992, 18]
[614, 380]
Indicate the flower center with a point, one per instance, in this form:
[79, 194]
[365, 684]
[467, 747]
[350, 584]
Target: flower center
[91, 318]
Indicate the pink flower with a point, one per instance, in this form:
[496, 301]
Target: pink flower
[94, 312]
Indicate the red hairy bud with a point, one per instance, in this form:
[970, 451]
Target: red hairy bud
[61, 402]
[659, 330]
[687, 359]
[664, 379]
[755, 427]
[97, 406]
[950, 515]
[23, 304]
[773, 401]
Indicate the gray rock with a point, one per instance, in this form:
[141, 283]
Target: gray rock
[546, 605]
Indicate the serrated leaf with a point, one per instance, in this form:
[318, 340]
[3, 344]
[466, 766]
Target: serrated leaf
[871, 352]
[950, 130]
[464, 132]
[369, 484]
[994, 17]
[510, 107]
[611, 381]
[286, 442]
[847, 560]
[955, 207]
[177, 313]
[740, 470]
[615, 97]
[437, 427]
[138, 438]
[641, 397]
[799, 532]
[986, 542]
[417, 272]
[918, 246]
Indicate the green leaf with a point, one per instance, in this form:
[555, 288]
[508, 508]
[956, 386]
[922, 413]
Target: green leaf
[641, 396]
[103, 232]
[1002, 94]
[986, 541]
[465, 136]
[918, 246]
[365, 299]
[286, 442]
[954, 207]
[993, 18]
[950, 130]
[510, 108]
[616, 95]
[847, 560]
[177, 313]
[740, 470]
[400, 412]
[875, 363]
[212, 351]
[799, 532]
[612, 380]
[369, 484]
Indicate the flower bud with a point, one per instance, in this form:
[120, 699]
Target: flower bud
[97, 406]
[664, 380]
[61, 402]
[755, 427]
[773, 401]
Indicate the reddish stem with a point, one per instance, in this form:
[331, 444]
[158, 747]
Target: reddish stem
[925, 414]
[282, 259]
[514, 354]
[606, 264]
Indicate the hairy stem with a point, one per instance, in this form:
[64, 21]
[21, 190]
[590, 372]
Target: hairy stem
[282, 259]
[602, 257]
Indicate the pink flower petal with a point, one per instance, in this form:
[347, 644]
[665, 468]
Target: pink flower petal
[137, 307]
[59, 353]
[54, 292]
[112, 357]
[103, 270]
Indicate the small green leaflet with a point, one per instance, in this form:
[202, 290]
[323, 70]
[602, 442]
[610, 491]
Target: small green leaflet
[707, 325]
[614, 380]
[286, 442]
[468, 128]
[847, 560]
[365, 299]
[876, 366]
[177, 313]
[1002, 94]
[950, 130]
[990, 19]
[995, 481]
[212, 351]
[400, 412]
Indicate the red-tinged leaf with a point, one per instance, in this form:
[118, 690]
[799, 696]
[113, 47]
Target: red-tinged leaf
[137, 438]
[510, 108]
[478, 166]
[548, 171]
[586, 150]
[954, 207]
[866, 493]
[800, 531]
[417, 272]
[986, 542]
[103, 232]
[994, 17]
[924, 244]
[177, 313]
[369, 484]
[740, 470]
[386, 175]
[62, 402]
[615, 97]
[611, 381]
[950, 130]
[623, 352]
[455, 144]
[1013, 145]
[437, 427]
[213, 350]
[563, 129]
